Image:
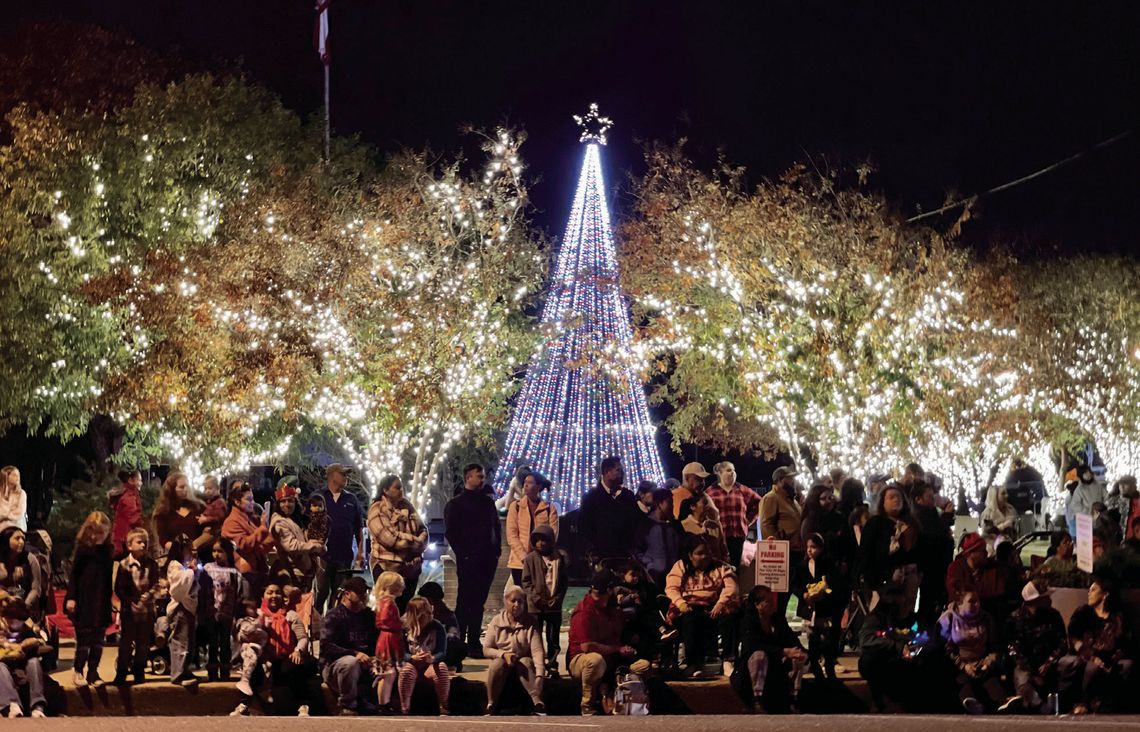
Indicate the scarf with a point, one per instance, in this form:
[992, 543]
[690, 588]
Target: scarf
[281, 641]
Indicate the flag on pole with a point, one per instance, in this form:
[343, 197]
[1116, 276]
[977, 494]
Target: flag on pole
[321, 32]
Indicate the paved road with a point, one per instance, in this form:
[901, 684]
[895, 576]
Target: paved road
[862, 723]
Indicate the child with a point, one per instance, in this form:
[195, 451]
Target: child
[252, 636]
[820, 585]
[22, 649]
[126, 503]
[88, 601]
[318, 528]
[215, 511]
[136, 587]
[182, 610]
[427, 647]
[390, 648]
[220, 590]
[456, 648]
[544, 582]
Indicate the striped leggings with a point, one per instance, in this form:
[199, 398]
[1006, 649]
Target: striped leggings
[437, 673]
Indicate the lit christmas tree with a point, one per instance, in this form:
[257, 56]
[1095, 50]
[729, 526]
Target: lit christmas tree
[582, 401]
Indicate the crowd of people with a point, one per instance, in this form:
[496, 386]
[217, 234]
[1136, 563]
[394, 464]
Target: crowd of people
[272, 598]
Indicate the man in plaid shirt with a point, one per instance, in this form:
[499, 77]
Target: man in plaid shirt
[738, 505]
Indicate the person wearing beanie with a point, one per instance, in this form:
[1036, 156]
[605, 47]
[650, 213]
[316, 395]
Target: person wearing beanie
[544, 580]
[348, 639]
[595, 647]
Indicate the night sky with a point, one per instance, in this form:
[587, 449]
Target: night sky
[940, 97]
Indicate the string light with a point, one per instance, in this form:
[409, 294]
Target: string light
[581, 400]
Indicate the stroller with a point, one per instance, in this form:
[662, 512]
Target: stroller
[158, 657]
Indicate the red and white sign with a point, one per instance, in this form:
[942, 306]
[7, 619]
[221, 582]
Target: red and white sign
[772, 564]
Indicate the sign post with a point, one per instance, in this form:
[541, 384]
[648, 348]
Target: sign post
[772, 564]
[1084, 542]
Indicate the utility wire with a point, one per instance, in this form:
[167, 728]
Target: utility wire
[1037, 174]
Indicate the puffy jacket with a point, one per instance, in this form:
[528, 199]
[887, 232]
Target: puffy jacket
[520, 526]
[714, 588]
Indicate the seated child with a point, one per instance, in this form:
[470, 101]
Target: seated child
[456, 648]
[251, 637]
[21, 648]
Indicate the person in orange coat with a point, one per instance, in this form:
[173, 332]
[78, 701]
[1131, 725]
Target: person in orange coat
[524, 515]
[251, 538]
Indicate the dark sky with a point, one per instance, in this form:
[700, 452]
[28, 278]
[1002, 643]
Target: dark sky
[941, 97]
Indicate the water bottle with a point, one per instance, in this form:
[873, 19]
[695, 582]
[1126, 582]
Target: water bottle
[1053, 704]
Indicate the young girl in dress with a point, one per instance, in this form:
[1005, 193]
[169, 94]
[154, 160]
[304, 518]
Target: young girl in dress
[88, 600]
[390, 644]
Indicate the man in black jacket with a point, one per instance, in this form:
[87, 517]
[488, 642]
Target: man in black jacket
[609, 516]
[475, 536]
[348, 640]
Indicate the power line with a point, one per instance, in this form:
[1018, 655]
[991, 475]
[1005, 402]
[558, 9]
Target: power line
[1036, 174]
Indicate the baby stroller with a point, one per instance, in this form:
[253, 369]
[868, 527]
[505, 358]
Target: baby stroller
[158, 657]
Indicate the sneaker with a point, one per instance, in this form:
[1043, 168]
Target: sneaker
[540, 710]
[670, 635]
[1012, 705]
[349, 712]
[444, 711]
[14, 711]
[241, 710]
[38, 713]
[303, 710]
[244, 687]
[80, 681]
[973, 706]
[489, 711]
[588, 710]
[120, 680]
[97, 682]
[189, 681]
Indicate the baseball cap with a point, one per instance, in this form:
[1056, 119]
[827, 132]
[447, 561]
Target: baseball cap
[879, 478]
[602, 580]
[783, 472]
[356, 585]
[695, 469]
[1029, 592]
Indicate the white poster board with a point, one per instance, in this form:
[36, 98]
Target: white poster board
[1084, 542]
[772, 564]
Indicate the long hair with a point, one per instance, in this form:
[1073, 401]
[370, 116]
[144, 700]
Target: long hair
[386, 585]
[992, 496]
[851, 494]
[905, 515]
[168, 500]
[383, 485]
[1055, 540]
[6, 471]
[811, 503]
[85, 537]
[417, 617]
[14, 565]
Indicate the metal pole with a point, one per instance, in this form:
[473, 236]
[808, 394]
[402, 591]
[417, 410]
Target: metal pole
[327, 112]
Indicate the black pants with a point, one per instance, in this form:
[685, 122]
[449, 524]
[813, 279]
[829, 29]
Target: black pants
[551, 624]
[216, 634]
[327, 581]
[88, 649]
[475, 576]
[699, 634]
[135, 639]
[735, 549]
[516, 575]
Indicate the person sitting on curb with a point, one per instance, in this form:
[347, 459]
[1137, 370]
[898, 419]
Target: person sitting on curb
[347, 640]
[774, 660]
[1037, 641]
[595, 648]
[513, 642]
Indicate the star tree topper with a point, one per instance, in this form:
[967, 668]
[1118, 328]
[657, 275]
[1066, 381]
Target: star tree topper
[594, 126]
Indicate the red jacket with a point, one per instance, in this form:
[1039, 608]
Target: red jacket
[127, 506]
[591, 622]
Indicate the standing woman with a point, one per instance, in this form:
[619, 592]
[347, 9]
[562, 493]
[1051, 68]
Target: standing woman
[176, 512]
[821, 517]
[523, 517]
[251, 538]
[299, 554]
[13, 500]
[126, 503]
[19, 575]
[889, 547]
[398, 537]
[88, 602]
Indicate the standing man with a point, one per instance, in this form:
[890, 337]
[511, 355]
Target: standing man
[780, 519]
[346, 525]
[1088, 491]
[475, 536]
[738, 505]
[609, 516]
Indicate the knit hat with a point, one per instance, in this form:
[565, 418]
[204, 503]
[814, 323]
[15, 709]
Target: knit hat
[971, 543]
[542, 531]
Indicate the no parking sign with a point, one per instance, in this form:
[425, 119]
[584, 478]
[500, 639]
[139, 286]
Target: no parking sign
[772, 564]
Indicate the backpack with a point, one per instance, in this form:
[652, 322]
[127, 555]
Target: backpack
[631, 697]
